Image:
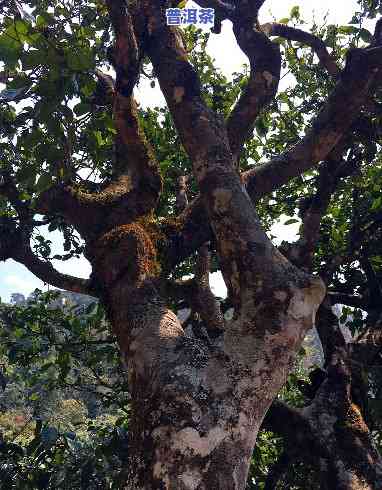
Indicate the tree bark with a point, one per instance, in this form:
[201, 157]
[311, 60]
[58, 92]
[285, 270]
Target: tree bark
[330, 434]
[196, 405]
[338, 422]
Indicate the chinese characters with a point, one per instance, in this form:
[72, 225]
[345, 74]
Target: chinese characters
[189, 16]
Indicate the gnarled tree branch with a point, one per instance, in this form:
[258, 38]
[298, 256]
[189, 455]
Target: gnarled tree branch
[14, 244]
[265, 62]
[134, 156]
[358, 80]
[48, 274]
[317, 44]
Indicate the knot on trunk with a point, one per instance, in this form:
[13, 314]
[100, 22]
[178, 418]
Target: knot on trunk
[126, 252]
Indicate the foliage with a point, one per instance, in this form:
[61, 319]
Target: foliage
[68, 430]
[59, 460]
[49, 347]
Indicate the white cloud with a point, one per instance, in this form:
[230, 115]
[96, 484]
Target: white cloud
[19, 284]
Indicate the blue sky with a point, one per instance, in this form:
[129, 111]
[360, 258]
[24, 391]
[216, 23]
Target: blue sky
[16, 278]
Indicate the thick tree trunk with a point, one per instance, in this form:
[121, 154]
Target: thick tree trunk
[196, 408]
[197, 405]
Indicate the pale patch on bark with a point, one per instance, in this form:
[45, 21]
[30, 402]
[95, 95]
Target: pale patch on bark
[180, 43]
[235, 278]
[178, 94]
[267, 28]
[222, 200]
[299, 306]
[245, 426]
[191, 479]
[305, 302]
[143, 347]
[188, 440]
[160, 472]
[326, 423]
[228, 315]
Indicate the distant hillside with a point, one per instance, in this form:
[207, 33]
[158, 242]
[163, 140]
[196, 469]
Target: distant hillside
[65, 299]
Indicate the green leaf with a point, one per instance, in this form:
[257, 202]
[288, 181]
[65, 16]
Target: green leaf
[81, 108]
[261, 126]
[44, 182]
[89, 88]
[365, 35]
[10, 51]
[376, 204]
[26, 174]
[33, 58]
[98, 137]
[291, 221]
[348, 30]
[80, 60]
[295, 12]
[21, 27]
[44, 20]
